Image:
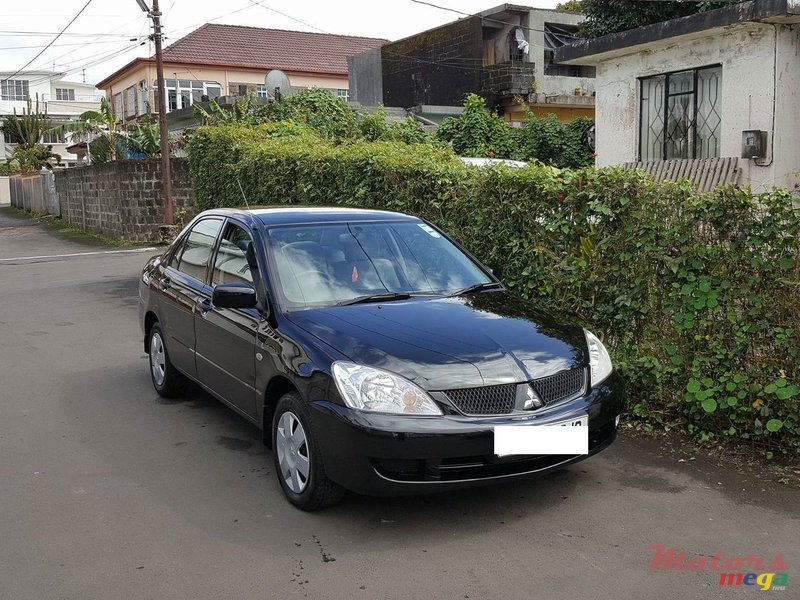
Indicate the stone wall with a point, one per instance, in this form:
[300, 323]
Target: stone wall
[123, 199]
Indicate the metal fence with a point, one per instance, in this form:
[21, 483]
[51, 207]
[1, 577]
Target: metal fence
[35, 192]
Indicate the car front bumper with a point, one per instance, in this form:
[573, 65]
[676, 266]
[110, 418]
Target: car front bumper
[381, 454]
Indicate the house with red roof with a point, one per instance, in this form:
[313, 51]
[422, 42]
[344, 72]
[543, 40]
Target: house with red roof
[232, 60]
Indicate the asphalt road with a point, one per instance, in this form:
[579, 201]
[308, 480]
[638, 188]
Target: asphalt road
[107, 491]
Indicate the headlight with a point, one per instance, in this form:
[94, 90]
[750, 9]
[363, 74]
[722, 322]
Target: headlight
[599, 360]
[375, 390]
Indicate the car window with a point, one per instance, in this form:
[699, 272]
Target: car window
[175, 259]
[323, 264]
[198, 247]
[230, 265]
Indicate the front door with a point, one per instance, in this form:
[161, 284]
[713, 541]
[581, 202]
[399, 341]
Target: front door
[181, 283]
[226, 337]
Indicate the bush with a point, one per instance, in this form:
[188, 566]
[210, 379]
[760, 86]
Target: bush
[329, 116]
[697, 296]
[548, 140]
[477, 132]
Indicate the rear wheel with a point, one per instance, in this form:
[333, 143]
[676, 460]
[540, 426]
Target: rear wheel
[298, 461]
[167, 380]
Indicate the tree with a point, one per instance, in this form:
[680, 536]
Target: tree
[144, 136]
[27, 131]
[571, 6]
[105, 127]
[610, 16]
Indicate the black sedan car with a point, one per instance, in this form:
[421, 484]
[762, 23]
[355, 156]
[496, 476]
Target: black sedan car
[375, 353]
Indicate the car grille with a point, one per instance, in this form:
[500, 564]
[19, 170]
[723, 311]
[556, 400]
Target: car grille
[500, 399]
[490, 400]
[561, 385]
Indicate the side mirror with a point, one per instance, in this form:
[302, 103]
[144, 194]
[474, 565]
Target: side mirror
[234, 295]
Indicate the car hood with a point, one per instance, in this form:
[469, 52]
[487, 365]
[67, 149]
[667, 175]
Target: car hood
[445, 343]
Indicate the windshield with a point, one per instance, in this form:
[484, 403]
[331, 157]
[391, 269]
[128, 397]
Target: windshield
[322, 264]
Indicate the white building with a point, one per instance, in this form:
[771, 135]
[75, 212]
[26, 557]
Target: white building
[63, 100]
[702, 86]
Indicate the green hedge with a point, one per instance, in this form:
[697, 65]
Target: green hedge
[697, 296]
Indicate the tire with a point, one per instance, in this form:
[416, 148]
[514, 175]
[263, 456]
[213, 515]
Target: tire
[298, 460]
[167, 380]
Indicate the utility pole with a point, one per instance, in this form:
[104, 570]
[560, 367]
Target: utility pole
[166, 170]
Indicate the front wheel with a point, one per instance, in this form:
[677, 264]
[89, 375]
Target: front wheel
[298, 461]
[167, 380]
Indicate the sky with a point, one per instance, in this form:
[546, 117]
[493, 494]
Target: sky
[109, 33]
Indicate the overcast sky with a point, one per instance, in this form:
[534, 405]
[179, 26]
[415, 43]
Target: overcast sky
[99, 40]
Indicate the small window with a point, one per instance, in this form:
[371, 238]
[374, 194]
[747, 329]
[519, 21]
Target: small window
[65, 94]
[141, 108]
[231, 264]
[261, 90]
[680, 114]
[130, 101]
[118, 105]
[343, 95]
[198, 247]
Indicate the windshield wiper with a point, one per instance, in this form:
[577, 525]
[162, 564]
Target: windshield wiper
[376, 298]
[478, 287]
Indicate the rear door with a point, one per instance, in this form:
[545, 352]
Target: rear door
[181, 284]
[226, 337]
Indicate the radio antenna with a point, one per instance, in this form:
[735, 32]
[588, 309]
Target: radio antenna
[243, 196]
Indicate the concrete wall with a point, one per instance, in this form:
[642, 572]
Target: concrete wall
[122, 199]
[426, 68]
[35, 192]
[5, 191]
[751, 73]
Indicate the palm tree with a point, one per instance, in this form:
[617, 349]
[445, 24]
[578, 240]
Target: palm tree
[104, 127]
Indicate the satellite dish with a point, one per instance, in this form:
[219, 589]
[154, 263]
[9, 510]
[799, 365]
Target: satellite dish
[278, 86]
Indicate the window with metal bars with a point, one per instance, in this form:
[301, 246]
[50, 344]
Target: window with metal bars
[680, 114]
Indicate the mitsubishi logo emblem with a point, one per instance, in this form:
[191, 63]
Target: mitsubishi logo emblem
[532, 400]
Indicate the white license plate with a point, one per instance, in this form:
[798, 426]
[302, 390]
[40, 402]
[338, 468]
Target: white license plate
[563, 437]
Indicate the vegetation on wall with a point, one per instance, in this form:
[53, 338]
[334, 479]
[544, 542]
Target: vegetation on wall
[697, 296]
[610, 16]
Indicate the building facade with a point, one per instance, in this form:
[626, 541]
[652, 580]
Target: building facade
[64, 101]
[229, 60]
[702, 86]
[502, 54]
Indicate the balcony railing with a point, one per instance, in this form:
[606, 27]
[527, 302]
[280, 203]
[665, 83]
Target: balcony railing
[77, 98]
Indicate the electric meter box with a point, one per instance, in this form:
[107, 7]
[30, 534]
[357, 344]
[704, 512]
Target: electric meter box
[754, 143]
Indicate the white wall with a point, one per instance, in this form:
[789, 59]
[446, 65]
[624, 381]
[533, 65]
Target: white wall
[749, 72]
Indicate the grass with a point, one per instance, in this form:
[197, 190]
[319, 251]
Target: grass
[67, 229]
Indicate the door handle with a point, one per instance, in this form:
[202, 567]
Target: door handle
[205, 305]
[165, 283]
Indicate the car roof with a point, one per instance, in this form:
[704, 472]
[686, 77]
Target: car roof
[299, 215]
[490, 162]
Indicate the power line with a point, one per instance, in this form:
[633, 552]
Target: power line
[80, 12]
[489, 19]
[16, 33]
[249, 6]
[59, 45]
[283, 14]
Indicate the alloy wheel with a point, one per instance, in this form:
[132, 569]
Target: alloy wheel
[293, 456]
[158, 359]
